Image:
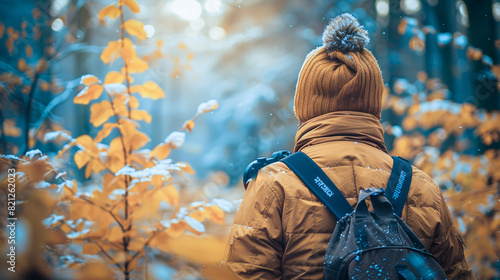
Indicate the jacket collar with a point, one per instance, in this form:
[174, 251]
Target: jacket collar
[341, 126]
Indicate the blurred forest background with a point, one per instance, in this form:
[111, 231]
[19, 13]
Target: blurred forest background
[112, 182]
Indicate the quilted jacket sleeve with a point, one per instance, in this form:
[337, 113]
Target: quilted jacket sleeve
[448, 247]
[255, 241]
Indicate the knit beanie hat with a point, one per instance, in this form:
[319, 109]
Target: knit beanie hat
[341, 75]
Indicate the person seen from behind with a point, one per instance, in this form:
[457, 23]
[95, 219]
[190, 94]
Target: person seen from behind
[282, 230]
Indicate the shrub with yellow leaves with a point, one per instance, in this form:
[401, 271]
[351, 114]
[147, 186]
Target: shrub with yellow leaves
[438, 137]
[137, 209]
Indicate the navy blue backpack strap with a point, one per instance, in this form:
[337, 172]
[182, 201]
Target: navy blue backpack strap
[317, 181]
[399, 184]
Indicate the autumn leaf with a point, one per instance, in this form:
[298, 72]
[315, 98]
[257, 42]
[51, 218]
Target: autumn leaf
[208, 106]
[88, 79]
[140, 115]
[90, 248]
[28, 50]
[94, 166]
[110, 11]
[133, 102]
[169, 194]
[188, 125]
[198, 215]
[176, 229]
[116, 235]
[100, 113]
[148, 90]
[185, 167]
[85, 142]
[81, 159]
[128, 52]
[105, 131]
[161, 151]
[115, 89]
[10, 128]
[110, 53]
[136, 65]
[120, 105]
[88, 94]
[21, 65]
[175, 139]
[55, 236]
[215, 214]
[194, 225]
[114, 77]
[116, 160]
[131, 4]
[402, 26]
[135, 28]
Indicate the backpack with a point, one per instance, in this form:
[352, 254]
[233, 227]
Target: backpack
[369, 245]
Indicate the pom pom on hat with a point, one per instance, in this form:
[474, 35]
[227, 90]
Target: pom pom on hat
[345, 34]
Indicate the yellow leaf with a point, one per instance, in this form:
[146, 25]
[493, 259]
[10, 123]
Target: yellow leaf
[105, 131]
[161, 151]
[35, 170]
[88, 169]
[140, 115]
[130, 79]
[88, 94]
[89, 79]
[115, 235]
[81, 159]
[198, 215]
[90, 249]
[215, 214]
[128, 52]
[189, 125]
[137, 243]
[114, 77]
[176, 230]
[136, 65]
[28, 50]
[148, 90]
[100, 113]
[132, 137]
[194, 225]
[116, 158]
[10, 128]
[134, 103]
[168, 194]
[131, 4]
[55, 236]
[135, 28]
[21, 65]
[87, 144]
[186, 167]
[94, 165]
[110, 53]
[109, 11]
[120, 105]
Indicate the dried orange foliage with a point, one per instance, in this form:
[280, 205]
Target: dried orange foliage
[469, 182]
[137, 208]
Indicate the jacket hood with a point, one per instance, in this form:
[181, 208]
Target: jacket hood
[341, 126]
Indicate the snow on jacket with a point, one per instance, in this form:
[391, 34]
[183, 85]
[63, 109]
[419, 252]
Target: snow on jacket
[281, 230]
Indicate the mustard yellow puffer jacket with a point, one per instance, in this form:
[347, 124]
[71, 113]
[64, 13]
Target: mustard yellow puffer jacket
[281, 230]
